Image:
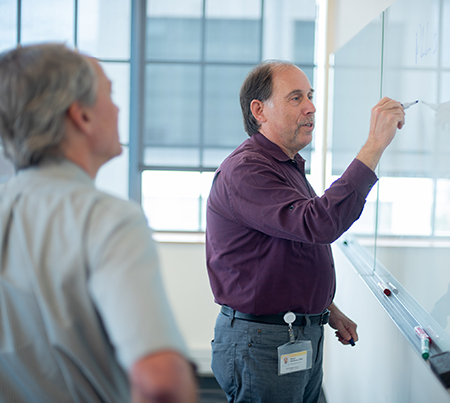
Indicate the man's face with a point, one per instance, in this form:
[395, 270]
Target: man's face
[106, 137]
[290, 111]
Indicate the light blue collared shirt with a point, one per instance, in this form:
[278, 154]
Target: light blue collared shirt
[81, 294]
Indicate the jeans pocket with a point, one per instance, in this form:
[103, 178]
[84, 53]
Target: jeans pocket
[222, 365]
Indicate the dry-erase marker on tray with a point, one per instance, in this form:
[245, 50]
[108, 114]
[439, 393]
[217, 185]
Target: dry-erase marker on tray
[392, 287]
[424, 341]
[384, 288]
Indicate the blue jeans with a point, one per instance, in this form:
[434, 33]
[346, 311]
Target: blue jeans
[245, 362]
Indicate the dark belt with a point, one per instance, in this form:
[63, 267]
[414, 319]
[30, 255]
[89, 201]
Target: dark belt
[321, 319]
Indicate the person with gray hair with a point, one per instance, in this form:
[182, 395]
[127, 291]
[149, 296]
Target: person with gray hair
[268, 239]
[84, 316]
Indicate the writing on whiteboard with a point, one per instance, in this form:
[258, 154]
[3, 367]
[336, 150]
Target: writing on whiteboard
[426, 42]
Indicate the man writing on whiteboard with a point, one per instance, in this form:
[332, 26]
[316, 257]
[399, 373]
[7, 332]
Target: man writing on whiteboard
[268, 241]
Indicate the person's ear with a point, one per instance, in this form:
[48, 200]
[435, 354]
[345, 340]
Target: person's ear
[257, 108]
[80, 117]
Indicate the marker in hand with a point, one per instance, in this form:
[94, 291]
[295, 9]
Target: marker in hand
[351, 341]
[406, 105]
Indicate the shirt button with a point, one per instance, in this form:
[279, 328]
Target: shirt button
[291, 208]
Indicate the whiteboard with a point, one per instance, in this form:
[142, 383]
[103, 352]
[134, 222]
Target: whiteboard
[403, 54]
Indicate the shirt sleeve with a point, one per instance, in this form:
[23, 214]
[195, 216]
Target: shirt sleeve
[262, 197]
[126, 283]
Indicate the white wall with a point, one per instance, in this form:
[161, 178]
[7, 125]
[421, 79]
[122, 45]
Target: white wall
[347, 17]
[187, 284]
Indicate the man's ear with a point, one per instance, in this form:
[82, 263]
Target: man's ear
[80, 117]
[257, 108]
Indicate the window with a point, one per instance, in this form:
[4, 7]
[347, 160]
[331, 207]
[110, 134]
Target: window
[197, 55]
[99, 28]
[176, 67]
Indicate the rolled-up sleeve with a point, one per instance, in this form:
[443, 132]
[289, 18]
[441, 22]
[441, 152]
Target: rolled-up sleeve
[270, 199]
[126, 284]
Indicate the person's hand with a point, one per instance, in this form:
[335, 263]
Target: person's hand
[387, 116]
[345, 328]
[163, 377]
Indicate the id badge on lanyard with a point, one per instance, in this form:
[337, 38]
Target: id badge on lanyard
[295, 355]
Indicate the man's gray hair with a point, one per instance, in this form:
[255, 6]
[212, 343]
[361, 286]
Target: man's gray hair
[258, 85]
[38, 84]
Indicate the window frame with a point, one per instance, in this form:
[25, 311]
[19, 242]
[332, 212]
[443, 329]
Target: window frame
[139, 63]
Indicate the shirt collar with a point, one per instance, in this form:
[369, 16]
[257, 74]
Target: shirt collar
[274, 150]
[59, 167]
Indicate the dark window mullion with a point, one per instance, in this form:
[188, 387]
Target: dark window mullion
[137, 85]
[75, 24]
[202, 106]
[261, 32]
[19, 22]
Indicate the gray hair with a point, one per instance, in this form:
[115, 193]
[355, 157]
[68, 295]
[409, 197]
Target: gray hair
[258, 85]
[37, 86]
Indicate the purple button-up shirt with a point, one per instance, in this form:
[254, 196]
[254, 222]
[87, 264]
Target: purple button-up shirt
[268, 234]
